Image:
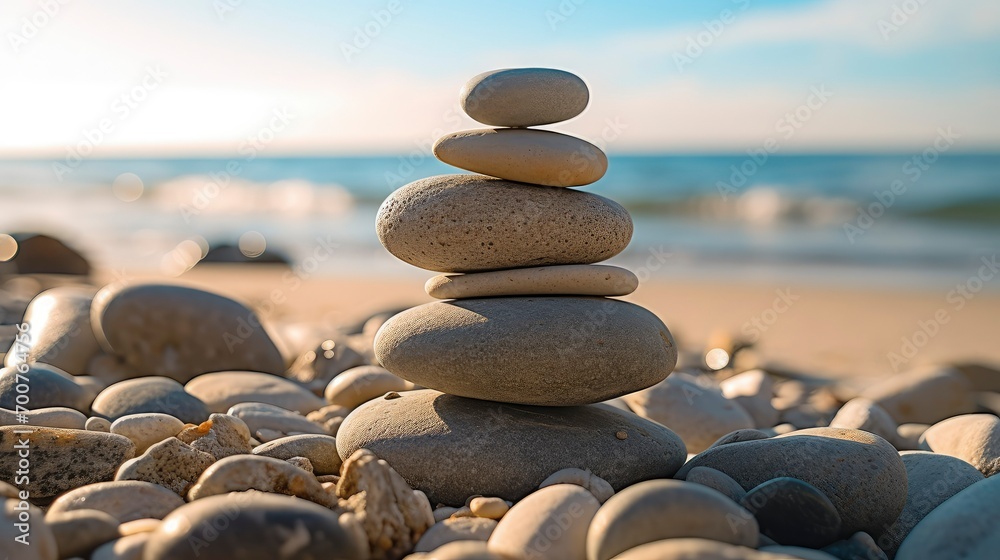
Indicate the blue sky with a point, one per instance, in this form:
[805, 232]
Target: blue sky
[223, 68]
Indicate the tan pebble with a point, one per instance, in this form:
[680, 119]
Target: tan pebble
[621, 435]
[524, 96]
[973, 438]
[170, 463]
[253, 472]
[530, 521]
[147, 428]
[490, 508]
[570, 279]
[147, 525]
[455, 529]
[444, 512]
[79, 532]
[98, 424]
[908, 436]
[464, 511]
[126, 548]
[925, 395]
[125, 500]
[359, 385]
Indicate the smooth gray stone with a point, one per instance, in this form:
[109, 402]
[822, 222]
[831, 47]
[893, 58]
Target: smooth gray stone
[963, 527]
[149, 394]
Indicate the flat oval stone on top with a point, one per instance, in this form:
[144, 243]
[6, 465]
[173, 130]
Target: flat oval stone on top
[524, 96]
[570, 279]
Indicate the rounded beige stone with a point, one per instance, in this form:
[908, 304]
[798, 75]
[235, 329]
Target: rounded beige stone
[490, 508]
[60, 334]
[472, 223]
[925, 395]
[146, 429]
[224, 389]
[524, 96]
[570, 279]
[550, 523]
[973, 438]
[539, 157]
[361, 384]
[455, 529]
[546, 351]
[125, 500]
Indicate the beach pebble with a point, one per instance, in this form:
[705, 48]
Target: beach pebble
[527, 530]
[170, 463]
[329, 417]
[125, 500]
[539, 157]
[450, 447]
[932, 479]
[471, 223]
[973, 438]
[490, 508]
[145, 525]
[667, 509]
[54, 417]
[699, 414]
[98, 424]
[60, 334]
[698, 549]
[567, 279]
[547, 351]
[315, 368]
[266, 474]
[861, 546]
[63, 459]
[128, 547]
[41, 542]
[861, 473]
[524, 96]
[459, 550]
[46, 387]
[260, 526]
[146, 428]
[718, 481]
[926, 395]
[180, 332]
[79, 532]
[583, 478]
[745, 434]
[752, 390]
[455, 529]
[863, 414]
[280, 422]
[963, 527]
[149, 394]
[908, 436]
[221, 436]
[222, 390]
[361, 384]
[321, 450]
[793, 512]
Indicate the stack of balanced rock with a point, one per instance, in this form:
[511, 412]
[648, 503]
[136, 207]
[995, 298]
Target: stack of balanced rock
[529, 321]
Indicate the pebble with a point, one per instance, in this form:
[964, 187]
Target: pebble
[146, 429]
[908, 436]
[864, 414]
[222, 390]
[698, 413]
[221, 436]
[321, 450]
[329, 417]
[963, 527]
[793, 512]
[718, 481]
[41, 542]
[125, 500]
[932, 479]
[129, 547]
[266, 474]
[54, 417]
[170, 463]
[753, 391]
[456, 529]
[79, 532]
[361, 384]
[490, 508]
[538, 157]
[98, 424]
[524, 97]
[973, 438]
[545, 351]
[861, 473]
[63, 459]
[700, 549]
[745, 434]
[583, 478]
[149, 394]
[259, 417]
[667, 509]
[259, 526]
[473, 223]
[146, 525]
[925, 396]
[47, 387]
[180, 332]
[861, 546]
[549, 523]
[60, 333]
[450, 447]
[461, 550]
[567, 279]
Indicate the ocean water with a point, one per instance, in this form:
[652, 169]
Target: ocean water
[894, 219]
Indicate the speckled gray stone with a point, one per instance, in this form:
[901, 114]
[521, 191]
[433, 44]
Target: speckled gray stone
[60, 333]
[494, 449]
[260, 416]
[860, 472]
[47, 387]
[547, 351]
[181, 332]
[964, 527]
[321, 450]
[718, 481]
[524, 96]
[470, 223]
[63, 459]
[539, 157]
[125, 500]
[149, 394]
[221, 390]
[567, 279]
